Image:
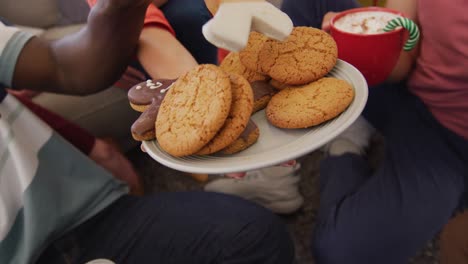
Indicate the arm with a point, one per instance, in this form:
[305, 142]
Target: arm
[406, 61]
[162, 55]
[89, 60]
[159, 51]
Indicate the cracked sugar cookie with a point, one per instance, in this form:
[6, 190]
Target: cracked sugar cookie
[193, 110]
[308, 54]
[239, 115]
[232, 64]
[247, 138]
[311, 104]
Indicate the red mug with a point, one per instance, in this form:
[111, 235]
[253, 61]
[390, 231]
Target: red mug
[374, 55]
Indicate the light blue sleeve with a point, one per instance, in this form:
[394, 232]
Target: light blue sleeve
[11, 44]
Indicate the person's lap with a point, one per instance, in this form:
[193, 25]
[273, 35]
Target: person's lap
[189, 227]
[410, 196]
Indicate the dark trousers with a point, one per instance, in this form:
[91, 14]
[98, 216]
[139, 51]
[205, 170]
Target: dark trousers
[185, 227]
[386, 215]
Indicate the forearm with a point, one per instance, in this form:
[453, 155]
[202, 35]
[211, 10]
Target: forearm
[162, 55]
[89, 60]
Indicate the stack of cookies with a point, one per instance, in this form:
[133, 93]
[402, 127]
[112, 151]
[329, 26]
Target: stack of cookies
[204, 111]
[298, 94]
[208, 109]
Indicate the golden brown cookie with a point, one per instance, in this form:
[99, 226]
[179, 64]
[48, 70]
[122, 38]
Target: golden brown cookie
[308, 54]
[194, 110]
[239, 115]
[232, 64]
[248, 137]
[310, 104]
[249, 56]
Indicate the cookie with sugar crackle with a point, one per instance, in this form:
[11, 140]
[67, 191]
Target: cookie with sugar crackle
[239, 115]
[194, 110]
[249, 56]
[232, 64]
[308, 54]
[311, 104]
[247, 138]
[147, 97]
[261, 89]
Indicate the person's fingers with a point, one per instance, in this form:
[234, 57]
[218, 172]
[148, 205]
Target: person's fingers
[235, 175]
[24, 93]
[137, 189]
[326, 20]
[289, 163]
[142, 148]
[212, 5]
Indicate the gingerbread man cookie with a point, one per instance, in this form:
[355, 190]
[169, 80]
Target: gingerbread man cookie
[147, 97]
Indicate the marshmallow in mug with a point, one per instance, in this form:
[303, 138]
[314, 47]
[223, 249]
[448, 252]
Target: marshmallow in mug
[367, 22]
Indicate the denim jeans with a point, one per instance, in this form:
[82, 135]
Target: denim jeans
[177, 227]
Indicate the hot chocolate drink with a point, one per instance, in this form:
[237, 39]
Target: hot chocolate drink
[366, 22]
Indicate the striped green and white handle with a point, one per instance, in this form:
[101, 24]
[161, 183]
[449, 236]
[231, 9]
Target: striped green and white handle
[409, 25]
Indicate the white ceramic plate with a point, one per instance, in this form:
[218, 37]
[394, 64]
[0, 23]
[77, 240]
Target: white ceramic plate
[275, 145]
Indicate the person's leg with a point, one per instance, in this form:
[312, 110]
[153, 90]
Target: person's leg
[310, 12]
[454, 240]
[187, 18]
[387, 215]
[192, 227]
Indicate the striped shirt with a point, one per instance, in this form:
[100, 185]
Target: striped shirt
[47, 187]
